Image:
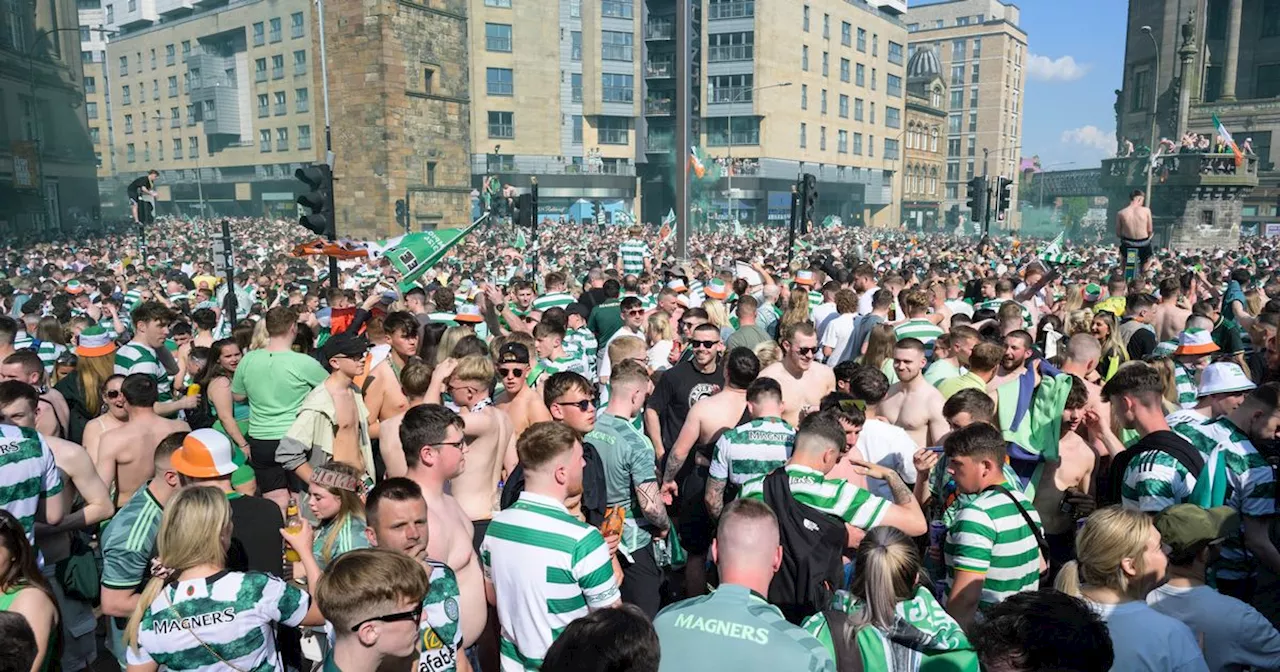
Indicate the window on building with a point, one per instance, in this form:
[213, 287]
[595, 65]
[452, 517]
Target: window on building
[277, 66]
[616, 46]
[971, 145]
[969, 168]
[296, 25]
[805, 19]
[860, 75]
[259, 34]
[804, 96]
[973, 73]
[111, 15]
[822, 139]
[933, 139]
[90, 85]
[857, 109]
[155, 89]
[615, 88]
[846, 33]
[973, 96]
[976, 51]
[953, 147]
[890, 148]
[844, 106]
[153, 59]
[144, 123]
[186, 49]
[732, 9]
[502, 125]
[1267, 83]
[618, 9]
[174, 120]
[842, 142]
[973, 121]
[957, 99]
[895, 53]
[302, 100]
[804, 57]
[844, 70]
[857, 144]
[428, 81]
[826, 26]
[724, 47]
[893, 85]
[128, 123]
[575, 45]
[954, 122]
[300, 62]
[577, 129]
[873, 79]
[730, 88]
[498, 3]
[260, 70]
[170, 55]
[953, 171]
[723, 131]
[804, 133]
[1140, 90]
[264, 140]
[191, 115]
[125, 97]
[822, 105]
[892, 117]
[304, 137]
[499, 81]
[124, 66]
[177, 148]
[613, 130]
[172, 81]
[497, 36]
[862, 40]
[281, 103]
[276, 33]
[872, 118]
[957, 75]
[826, 60]
[575, 87]
[130, 153]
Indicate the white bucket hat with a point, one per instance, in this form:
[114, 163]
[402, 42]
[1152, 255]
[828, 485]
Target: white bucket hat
[1223, 378]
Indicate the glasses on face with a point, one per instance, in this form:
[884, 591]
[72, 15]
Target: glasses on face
[583, 405]
[113, 394]
[514, 372]
[807, 351]
[414, 614]
[454, 444]
[704, 344]
[636, 311]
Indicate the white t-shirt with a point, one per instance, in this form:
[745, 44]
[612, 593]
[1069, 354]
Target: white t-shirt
[865, 298]
[822, 315]
[889, 446]
[603, 366]
[837, 336]
[960, 306]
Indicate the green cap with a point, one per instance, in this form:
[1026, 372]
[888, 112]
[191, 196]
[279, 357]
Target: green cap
[1185, 526]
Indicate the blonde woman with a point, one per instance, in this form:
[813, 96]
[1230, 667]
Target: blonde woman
[450, 339]
[1168, 381]
[768, 352]
[181, 621]
[1072, 300]
[718, 315]
[83, 389]
[797, 309]
[661, 338]
[878, 353]
[1120, 560]
[1078, 322]
[1105, 329]
[889, 595]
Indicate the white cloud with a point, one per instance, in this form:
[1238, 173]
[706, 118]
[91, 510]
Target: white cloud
[1092, 138]
[1061, 69]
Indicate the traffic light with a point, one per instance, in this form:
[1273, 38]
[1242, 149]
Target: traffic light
[808, 201]
[318, 199]
[977, 202]
[402, 213]
[523, 215]
[1004, 185]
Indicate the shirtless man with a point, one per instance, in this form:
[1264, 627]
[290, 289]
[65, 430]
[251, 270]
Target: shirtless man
[804, 382]
[415, 380]
[1062, 491]
[912, 403]
[436, 448]
[1170, 318]
[126, 455]
[522, 404]
[383, 395]
[707, 420]
[1017, 350]
[115, 416]
[1134, 228]
[1083, 352]
[25, 366]
[490, 438]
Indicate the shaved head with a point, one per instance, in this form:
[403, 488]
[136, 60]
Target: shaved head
[747, 539]
[1083, 347]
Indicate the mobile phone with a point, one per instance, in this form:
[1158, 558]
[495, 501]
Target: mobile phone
[934, 449]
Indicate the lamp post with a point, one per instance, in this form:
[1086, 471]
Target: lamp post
[37, 126]
[729, 157]
[199, 177]
[1155, 112]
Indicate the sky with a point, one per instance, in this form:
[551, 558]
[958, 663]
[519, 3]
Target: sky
[1075, 64]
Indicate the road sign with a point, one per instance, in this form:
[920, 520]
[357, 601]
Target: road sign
[220, 246]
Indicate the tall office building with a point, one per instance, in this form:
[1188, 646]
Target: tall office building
[982, 50]
[1231, 70]
[46, 159]
[581, 95]
[97, 100]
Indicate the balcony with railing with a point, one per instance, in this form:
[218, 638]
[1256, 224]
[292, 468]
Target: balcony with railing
[659, 107]
[660, 68]
[1192, 170]
[660, 29]
[732, 9]
[656, 143]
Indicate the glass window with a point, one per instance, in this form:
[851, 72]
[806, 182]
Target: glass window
[124, 65]
[954, 121]
[173, 86]
[957, 75]
[575, 86]
[826, 26]
[846, 34]
[732, 9]
[857, 144]
[170, 54]
[282, 105]
[613, 130]
[977, 47]
[616, 46]
[260, 70]
[842, 142]
[973, 96]
[805, 19]
[895, 53]
[264, 105]
[844, 70]
[973, 121]
[125, 98]
[862, 40]
[90, 85]
[957, 99]
[844, 106]
[302, 100]
[304, 137]
[957, 50]
[502, 125]
[177, 148]
[804, 57]
[616, 88]
[822, 139]
[618, 9]
[890, 148]
[971, 145]
[259, 34]
[822, 107]
[826, 59]
[296, 23]
[804, 132]
[575, 45]
[860, 75]
[498, 3]
[892, 117]
[804, 96]
[264, 140]
[131, 154]
[276, 33]
[577, 129]
[497, 36]
[857, 109]
[499, 81]
[893, 85]
[277, 66]
[300, 62]
[723, 47]
[973, 74]
[731, 88]
[128, 123]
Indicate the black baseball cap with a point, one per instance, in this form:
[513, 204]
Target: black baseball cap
[513, 353]
[346, 343]
[578, 309]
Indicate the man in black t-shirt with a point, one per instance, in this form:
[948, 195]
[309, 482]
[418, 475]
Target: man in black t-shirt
[678, 390]
[143, 186]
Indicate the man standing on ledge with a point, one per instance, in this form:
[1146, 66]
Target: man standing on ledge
[143, 186]
[1134, 228]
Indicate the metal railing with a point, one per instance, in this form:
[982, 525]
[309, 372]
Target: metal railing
[660, 30]
[742, 9]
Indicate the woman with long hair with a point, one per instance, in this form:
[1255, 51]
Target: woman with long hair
[450, 339]
[718, 315]
[1119, 560]
[797, 308]
[1078, 322]
[889, 613]
[24, 590]
[1169, 381]
[429, 341]
[661, 338]
[181, 621]
[114, 415]
[232, 417]
[878, 353]
[53, 342]
[337, 505]
[1114, 354]
[95, 363]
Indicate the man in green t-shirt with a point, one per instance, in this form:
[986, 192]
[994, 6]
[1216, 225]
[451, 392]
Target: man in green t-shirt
[734, 628]
[630, 473]
[275, 380]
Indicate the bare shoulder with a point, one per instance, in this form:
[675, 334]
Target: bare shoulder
[774, 371]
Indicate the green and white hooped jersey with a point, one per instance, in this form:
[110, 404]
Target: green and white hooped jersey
[49, 353]
[439, 633]
[232, 613]
[633, 253]
[552, 300]
[27, 474]
[134, 357]
[752, 449]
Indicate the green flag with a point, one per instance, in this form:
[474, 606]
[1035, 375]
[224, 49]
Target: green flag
[520, 243]
[413, 254]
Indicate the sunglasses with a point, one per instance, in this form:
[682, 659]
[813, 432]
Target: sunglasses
[414, 615]
[580, 405]
[113, 394]
[808, 351]
[636, 311]
[514, 372]
[704, 344]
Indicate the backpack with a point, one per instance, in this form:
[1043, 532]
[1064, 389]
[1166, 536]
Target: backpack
[1184, 452]
[594, 488]
[812, 546]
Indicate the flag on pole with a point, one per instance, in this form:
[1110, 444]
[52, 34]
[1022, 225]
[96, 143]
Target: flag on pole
[1053, 252]
[1222, 133]
[670, 218]
[413, 254]
[520, 243]
[696, 164]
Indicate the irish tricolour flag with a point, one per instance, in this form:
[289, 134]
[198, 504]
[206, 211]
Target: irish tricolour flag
[1222, 133]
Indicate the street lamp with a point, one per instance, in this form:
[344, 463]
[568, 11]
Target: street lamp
[37, 124]
[199, 177]
[1155, 116]
[729, 156]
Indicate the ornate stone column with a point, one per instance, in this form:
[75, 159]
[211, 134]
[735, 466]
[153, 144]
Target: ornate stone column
[1233, 51]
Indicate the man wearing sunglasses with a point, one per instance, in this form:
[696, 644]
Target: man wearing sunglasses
[522, 403]
[633, 319]
[804, 381]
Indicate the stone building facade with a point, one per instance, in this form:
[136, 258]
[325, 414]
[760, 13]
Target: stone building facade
[926, 151]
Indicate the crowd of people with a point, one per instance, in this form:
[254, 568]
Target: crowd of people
[868, 451]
